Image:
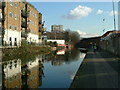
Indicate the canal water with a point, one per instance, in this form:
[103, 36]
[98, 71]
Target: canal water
[55, 70]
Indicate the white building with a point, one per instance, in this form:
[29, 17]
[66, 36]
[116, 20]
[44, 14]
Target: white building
[33, 38]
[12, 38]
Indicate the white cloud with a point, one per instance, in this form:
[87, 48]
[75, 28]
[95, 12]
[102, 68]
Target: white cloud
[81, 33]
[85, 35]
[99, 11]
[111, 13]
[78, 12]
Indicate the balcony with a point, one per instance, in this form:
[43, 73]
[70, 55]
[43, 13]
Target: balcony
[2, 30]
[2, 18]
[2, 4]
[24, 13]
[24, 24]
[24, 34]
[40, 22]
[39, 30]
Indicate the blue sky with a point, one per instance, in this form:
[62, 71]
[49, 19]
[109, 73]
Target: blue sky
[72, 15]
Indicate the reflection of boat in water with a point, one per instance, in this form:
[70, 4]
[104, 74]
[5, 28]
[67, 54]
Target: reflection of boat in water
[84, 50]
[61, 52]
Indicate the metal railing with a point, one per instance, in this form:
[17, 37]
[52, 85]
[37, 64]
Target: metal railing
[24, 24]
[24, 13]
[2, 4]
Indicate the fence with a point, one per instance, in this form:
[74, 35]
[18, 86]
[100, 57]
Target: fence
[112, 44]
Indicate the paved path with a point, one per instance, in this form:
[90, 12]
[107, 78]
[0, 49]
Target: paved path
[0, 69]
[98, 70]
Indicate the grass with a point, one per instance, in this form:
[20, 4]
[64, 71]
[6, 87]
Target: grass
[25, 51]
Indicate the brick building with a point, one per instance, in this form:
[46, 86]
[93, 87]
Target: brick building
[18, 21]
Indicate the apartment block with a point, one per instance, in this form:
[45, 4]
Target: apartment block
[19, 21]
[57, 28]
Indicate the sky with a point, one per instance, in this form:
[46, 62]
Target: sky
[87, 18]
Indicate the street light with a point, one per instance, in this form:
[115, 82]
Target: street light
[103, 23]
[114, 15]
[43, 32]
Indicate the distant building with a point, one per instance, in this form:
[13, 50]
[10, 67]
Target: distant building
[58, 41]
[57, 28]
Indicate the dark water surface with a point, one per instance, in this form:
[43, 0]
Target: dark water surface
[56, 70]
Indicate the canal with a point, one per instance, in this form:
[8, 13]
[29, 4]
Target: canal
[55, 70]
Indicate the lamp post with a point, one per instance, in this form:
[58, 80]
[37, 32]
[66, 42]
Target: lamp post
[43, 32]
[103, 27]
[114, 15]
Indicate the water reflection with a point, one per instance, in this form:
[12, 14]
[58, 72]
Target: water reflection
[54, 70]
[61, 68]
[66, 56]
[27, 76]
[12, 74]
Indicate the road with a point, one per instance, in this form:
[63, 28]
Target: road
[98, 70]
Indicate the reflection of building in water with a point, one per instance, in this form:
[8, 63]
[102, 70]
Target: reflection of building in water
[57, 62]
[33, 77]
[59, 58]
[12, 74]
[32, 73]
[27, 76]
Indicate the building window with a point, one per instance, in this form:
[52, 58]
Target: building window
[10, 27]
[0, 14]
[23, 20]
[11, 14]
[15, 39]
[16, 86]
[33, 14]
[15, 16]
[10, 2]
[16, 5]
[10, 39]
[36, 15]
[15, 28]
[10, 66]
[30, 22]
[10, 79]
[33, 22]
[15, 45]
[30, 12]
[15, 77]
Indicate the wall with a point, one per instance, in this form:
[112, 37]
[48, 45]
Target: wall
[112, 45]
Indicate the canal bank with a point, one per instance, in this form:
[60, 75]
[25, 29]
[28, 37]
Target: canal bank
[98, 70]
[26, 50]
